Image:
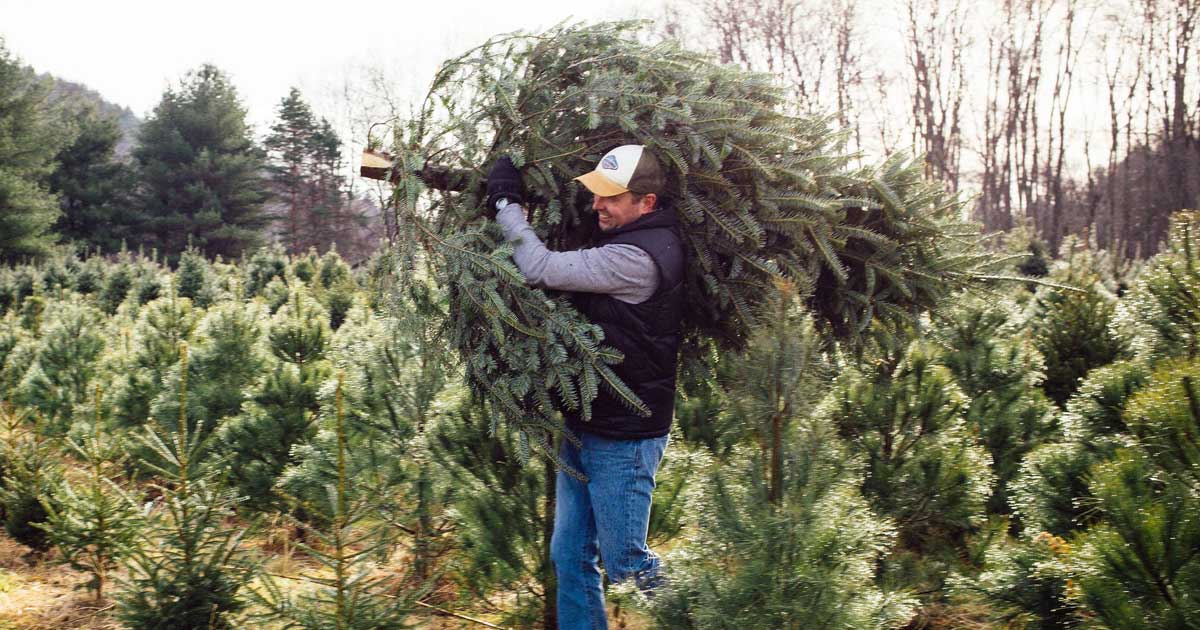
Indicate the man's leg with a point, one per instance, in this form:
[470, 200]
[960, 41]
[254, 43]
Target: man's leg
[622, 480]
[574, 551]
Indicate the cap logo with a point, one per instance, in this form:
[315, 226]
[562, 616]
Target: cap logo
[609, 163]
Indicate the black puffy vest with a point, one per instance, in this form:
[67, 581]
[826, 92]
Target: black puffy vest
[648, 333]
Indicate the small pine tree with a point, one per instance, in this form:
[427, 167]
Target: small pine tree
[18, 349]
[281, 411]
[264, 265]
[32, 473]
[398, 382]
[781, 537]
[193, 279]
[496, 555]
[999, 371]
[1164, 307]
[161, 326]
[66, 363]
[1073, 328]
[352, 597]
[92, 273]
[116, 286]
[225, 365]
[95, 523]
[922, 466]
[190, 573]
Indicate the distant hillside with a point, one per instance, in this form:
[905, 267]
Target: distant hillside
[62, 90]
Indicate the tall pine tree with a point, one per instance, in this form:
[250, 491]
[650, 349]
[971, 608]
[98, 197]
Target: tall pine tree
[200, 171]
[305, 169]
[94, 187]
[28, 143]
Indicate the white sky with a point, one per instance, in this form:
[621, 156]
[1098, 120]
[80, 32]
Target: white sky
[131, 50]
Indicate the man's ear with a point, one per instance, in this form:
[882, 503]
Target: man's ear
[646, 206]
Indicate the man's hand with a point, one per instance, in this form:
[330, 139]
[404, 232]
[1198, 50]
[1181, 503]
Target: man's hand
[504, 182]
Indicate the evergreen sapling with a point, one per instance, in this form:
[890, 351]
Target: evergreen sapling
[94, 523]
[190, 572]
[349, 592]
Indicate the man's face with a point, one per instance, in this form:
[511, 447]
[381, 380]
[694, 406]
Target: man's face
[622, 209]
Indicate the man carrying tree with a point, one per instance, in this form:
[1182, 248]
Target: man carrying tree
[631, 285]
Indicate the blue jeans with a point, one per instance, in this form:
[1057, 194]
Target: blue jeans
[605, 518]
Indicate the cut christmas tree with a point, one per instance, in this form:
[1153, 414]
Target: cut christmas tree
[762, 195]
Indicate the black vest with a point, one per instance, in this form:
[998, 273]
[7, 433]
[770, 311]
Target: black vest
[648, 334]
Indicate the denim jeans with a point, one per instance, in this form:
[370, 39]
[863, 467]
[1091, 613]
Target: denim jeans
[605, 518]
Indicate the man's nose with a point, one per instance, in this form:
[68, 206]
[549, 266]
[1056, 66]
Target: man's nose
[597, 202]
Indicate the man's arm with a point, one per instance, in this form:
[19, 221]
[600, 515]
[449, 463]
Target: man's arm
[623, 271]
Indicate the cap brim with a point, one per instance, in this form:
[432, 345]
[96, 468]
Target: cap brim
[600, 185]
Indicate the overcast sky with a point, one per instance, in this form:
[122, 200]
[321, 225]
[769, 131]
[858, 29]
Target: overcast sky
[131, 50]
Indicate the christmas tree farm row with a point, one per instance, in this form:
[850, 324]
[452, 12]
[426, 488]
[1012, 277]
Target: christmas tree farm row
[289, 441]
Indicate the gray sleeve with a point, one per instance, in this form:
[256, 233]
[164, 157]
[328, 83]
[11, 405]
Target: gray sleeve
[624, 271]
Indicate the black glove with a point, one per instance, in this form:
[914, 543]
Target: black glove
[504, 181]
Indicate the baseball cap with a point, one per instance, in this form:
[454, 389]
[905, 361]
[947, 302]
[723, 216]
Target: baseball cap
[629, 167]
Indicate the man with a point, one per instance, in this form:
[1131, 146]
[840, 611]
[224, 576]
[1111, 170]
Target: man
[631, 284]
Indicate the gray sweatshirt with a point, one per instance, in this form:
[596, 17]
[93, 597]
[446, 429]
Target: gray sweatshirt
[623, 271]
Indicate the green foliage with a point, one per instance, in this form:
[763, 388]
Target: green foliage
[65, 365]
[17, 351]
[28, 142]
[1050, 494]
[1164, 306]
[30, 474]
[281, 409]
[1165, 418]
[761, 195]
[1139, 568]
[96, 522]
[189, 572]
[1073, 329]
[499, 555]
[1096, 414]
[349, 548]
[999, 371]
[1025, 581]
[200, 171]
[807, 561]
[94, 187]
[922, 467]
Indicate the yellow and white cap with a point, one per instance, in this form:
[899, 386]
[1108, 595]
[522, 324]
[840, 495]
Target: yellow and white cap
[629, 167]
